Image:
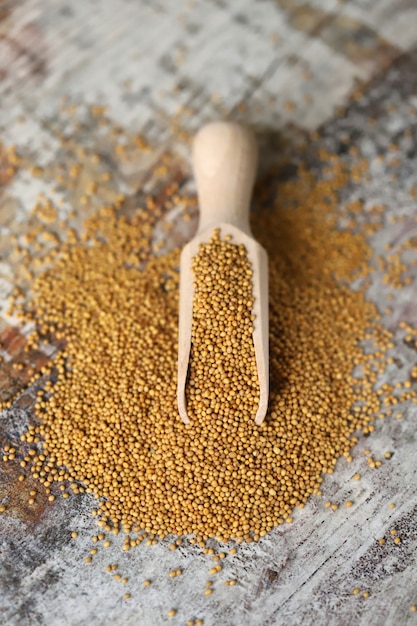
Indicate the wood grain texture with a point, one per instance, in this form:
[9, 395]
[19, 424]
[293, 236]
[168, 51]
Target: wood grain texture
[163, 69]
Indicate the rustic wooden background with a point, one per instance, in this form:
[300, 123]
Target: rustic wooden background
[161, 69]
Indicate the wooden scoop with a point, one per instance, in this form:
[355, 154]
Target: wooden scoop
[225, 163]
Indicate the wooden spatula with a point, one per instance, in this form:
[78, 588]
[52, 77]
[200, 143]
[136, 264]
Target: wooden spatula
[225, 163]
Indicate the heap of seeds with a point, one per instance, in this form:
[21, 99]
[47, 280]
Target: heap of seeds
[107, 417]
[223, 381]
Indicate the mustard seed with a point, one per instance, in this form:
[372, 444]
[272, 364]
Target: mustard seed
[309, 275]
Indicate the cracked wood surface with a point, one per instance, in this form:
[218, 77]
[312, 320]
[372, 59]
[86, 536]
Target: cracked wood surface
[162, 69]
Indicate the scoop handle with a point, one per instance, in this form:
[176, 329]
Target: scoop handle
[225, 159]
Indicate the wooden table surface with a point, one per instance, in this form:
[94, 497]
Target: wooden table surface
[162, 69]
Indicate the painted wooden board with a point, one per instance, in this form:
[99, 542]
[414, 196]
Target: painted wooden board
[162, 69]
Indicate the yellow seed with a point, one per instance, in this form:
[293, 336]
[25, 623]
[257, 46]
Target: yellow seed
[2, 508]
[356, 476]
[356, 591]
[146, 583]
[117, 577]
[88, 559]
[74, 534]
[127, 596]
[107, 544]
[208, 591]
[392, 505]
[397, 540]
[381, 541]
[124, 580]
[348, 503]
[149, 477]
[413, 608]
[335, 507]
[172, 613]
[365, 594]
[393, 531]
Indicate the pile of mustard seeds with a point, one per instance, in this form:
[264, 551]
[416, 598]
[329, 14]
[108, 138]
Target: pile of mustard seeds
[107, 418]
[223, 380]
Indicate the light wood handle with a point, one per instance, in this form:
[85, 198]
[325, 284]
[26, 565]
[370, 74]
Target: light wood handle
[225, 160]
